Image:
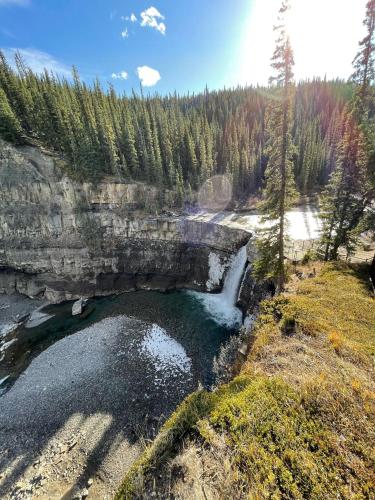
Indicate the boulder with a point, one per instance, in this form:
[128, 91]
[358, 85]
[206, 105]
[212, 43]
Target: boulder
[78, 306]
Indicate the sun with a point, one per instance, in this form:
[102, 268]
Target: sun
[324, 35]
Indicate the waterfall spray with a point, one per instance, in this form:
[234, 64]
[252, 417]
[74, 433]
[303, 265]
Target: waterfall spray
[222, 306]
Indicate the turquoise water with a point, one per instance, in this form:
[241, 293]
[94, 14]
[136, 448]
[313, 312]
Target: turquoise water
[181, 315]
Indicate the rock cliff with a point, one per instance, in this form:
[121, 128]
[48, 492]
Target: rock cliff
[62, 239]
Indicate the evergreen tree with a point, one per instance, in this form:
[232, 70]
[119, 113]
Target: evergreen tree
[127, 141]
[279, 191]
[350, 191]
[364, 70]
[10, 128]
[175, 141]
[345, 198]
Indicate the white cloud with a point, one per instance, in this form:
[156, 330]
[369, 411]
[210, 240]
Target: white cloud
[19, 3]
[152, 12]
[148, 76]
[122, 75]
[132, 17]
[125, 33]
[150, 17]
[37, 61]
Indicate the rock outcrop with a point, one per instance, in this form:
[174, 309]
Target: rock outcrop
[253, 291]
[63, 239]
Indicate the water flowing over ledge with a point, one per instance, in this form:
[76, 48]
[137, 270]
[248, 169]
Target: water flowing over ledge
[222, 306]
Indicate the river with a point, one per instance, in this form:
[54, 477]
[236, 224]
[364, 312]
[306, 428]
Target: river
[303, 222]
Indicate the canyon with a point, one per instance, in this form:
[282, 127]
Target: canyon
[62, 239]
[138, 354]
[79, 394]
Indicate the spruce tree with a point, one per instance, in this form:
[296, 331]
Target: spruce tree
[364, 70]
[10, 128]
[350, 191]
[128, 142]
[279, 192]
[345, 197]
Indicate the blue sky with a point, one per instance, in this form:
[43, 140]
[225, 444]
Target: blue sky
[178, 44]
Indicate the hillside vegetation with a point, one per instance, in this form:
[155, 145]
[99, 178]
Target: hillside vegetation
[175, 142]
[298, 421]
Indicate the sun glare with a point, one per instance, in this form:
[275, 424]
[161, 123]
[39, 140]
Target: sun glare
[322, 33]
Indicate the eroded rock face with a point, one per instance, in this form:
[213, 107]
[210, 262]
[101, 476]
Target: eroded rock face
[63, 239]
[252, 290]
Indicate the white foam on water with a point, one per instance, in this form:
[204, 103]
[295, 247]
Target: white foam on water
[219, 309]
[6, 328]
[5, 345]
[165, 352]
[37, 318]
[304, 222]
[222, 306]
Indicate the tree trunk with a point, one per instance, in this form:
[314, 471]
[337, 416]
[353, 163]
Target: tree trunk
[328, 245]
[340, 239]
[283, 190]
[372, 271]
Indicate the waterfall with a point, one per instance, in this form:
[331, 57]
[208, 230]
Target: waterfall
[222, 306]
[233, 279]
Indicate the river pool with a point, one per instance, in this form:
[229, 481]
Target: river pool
[126, 367]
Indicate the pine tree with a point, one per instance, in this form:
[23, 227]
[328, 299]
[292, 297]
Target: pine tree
[364, 70]
[158, 163]
[15, 90]
[279, 191]
[164, 132]
[190, 161]
[128, 142]
[345, 197]
[364, 76]
[10, 128]
[178, 141]
[349, 192]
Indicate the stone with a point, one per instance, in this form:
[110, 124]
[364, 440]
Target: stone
[252, 291]
[78, 306]
[243, 349]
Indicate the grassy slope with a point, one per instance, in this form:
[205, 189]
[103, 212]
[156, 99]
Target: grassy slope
[298, 422]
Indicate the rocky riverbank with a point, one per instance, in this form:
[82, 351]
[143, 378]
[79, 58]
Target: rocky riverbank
[14, 310]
